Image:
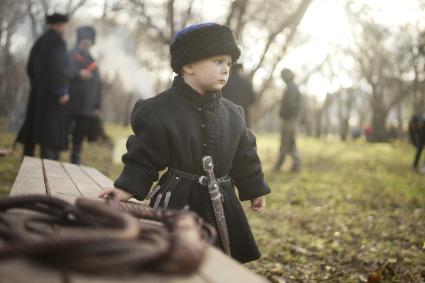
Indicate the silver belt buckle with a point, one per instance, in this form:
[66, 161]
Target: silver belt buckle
[203, 180]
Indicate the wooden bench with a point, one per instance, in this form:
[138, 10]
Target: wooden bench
[69, 181]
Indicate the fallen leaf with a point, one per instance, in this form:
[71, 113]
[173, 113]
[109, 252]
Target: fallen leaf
[374, 278]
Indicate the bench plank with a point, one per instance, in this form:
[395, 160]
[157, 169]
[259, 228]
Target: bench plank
[103, 181]
[86, 185]
[69, 181]
[145, 277]
[98, 177]
[22, 271]
[58, 182]
[218, 268]
[30, 178]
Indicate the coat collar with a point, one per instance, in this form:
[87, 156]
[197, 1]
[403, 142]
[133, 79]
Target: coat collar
[183, 89]
[55, 34]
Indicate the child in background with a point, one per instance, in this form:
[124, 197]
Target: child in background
[177, 128]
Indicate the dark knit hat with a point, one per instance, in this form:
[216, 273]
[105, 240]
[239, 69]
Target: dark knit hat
[201, 41]
[86, 32]
[57, 18]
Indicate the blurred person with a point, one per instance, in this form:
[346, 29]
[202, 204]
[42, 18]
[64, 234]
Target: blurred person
[84, 91]
[46, 121]
[356, 133]
[417, 138]
[368, 132]
[239, 90]
[290, 113]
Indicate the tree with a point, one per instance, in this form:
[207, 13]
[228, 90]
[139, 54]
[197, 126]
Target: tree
[11, 13]
[376, 53]
[157, 22]
[12, 66]
[37, 10]
[345, 100]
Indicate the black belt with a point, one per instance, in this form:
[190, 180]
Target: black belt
[202, 180]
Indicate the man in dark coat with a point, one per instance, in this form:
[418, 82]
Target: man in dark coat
[181, 125]
[84, 90]
[290, 113]
[239, 90]
[46, 118]
[417, 138]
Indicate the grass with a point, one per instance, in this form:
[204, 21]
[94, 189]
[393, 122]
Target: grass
[356, 209]
[98, 155]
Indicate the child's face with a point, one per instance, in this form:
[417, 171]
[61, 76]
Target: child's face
[210, 74]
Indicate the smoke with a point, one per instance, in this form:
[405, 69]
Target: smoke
[116, 54]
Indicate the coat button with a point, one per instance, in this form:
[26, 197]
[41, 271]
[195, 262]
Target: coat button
[204, 144]
[200, 109]
[203, 126]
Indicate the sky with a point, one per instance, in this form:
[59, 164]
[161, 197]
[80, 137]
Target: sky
[327, 26]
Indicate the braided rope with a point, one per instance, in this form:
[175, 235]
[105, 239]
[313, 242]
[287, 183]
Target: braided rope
[103, 237]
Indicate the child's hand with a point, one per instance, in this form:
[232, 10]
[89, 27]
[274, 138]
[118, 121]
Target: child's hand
[120, 194]
[258, 204]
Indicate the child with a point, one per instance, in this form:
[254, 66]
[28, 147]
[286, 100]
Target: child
[179, 126]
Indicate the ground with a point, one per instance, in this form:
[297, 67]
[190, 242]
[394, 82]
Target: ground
[356, 210]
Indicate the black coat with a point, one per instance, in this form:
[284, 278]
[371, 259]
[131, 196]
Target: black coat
[46, 120]
[85, 95]
[175, 129]
[291, 102]
[239, 90]
[417, 130]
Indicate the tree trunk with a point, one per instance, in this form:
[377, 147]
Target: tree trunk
[318, 123]
[379, 118]
[400, 117]
[343, 130]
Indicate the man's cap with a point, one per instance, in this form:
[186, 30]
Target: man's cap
[56, 18]
[86, 32]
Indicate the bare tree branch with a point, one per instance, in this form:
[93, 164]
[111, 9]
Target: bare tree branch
[170, 17]
[304, 80]
[147, 22]
[73, 10]
[291, 22]
[31, 14]
[235, 18]
[45, 5]
[289, 39]
[69, 6]
[231, 12]
[187, 14]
